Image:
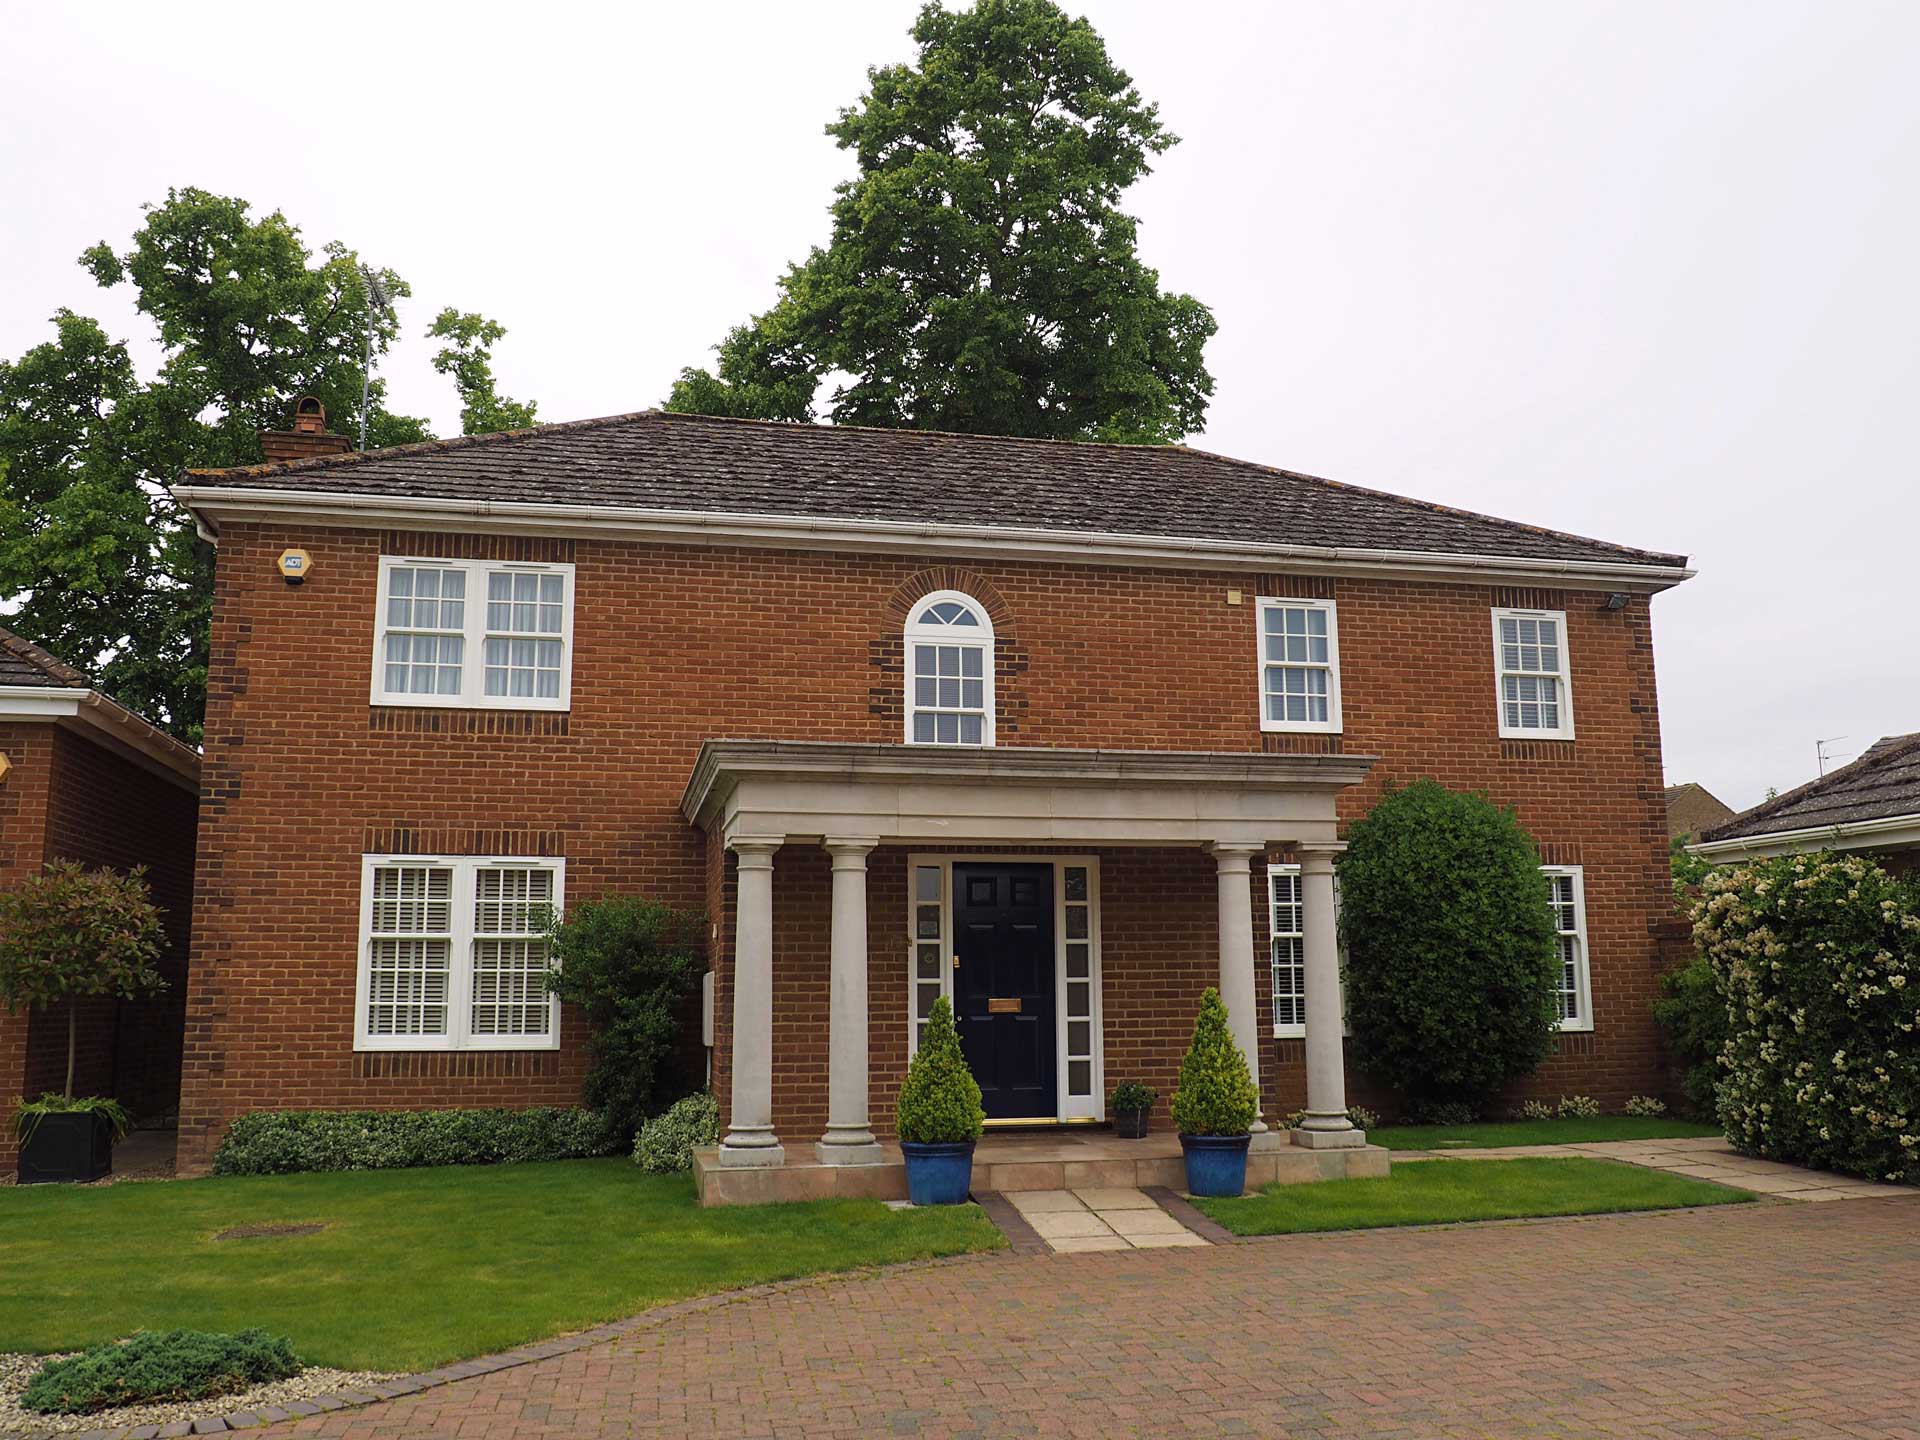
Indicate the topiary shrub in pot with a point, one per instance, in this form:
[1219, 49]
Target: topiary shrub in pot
[1214, 1106]
[939, 1116]
[1130, 1103]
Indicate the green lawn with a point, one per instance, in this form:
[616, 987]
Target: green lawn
[1437, 1192]
[418, 1267]
[1535, 1132]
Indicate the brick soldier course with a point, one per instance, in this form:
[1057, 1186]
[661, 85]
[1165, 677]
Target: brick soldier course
[676, 643]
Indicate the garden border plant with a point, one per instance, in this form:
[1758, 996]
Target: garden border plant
[156, 1366]
[1815, 958]
[288, 1142]
[938, 1117]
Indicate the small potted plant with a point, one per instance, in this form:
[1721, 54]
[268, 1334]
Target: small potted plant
[1214, 1106]
[66, 935]
[939, 1116]
[1130, 1103]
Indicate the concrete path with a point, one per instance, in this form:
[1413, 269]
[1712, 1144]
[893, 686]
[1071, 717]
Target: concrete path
[1792, 1322]
[1072, 1221]
[1705, 1158]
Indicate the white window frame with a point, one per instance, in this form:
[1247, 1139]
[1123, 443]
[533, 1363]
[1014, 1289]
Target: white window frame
[1299, 1032]
[1071, 1109]
[465, 870]
[1583, 976]
[473, 663]
[917, 633]
[1564, 676]
[1332, 724]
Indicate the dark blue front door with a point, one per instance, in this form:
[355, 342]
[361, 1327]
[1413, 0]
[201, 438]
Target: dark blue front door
[1003, 987]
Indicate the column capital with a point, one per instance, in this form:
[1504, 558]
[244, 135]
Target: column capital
[1316, 857]
[756, 851]
[849, 851]
[1235, 856]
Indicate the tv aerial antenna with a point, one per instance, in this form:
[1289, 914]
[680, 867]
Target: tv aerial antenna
[379, 297]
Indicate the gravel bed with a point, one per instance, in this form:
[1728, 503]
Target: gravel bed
[16, 1370]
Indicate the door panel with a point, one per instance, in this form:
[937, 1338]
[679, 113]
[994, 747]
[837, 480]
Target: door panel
[1004, 986]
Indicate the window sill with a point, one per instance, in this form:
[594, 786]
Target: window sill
[1296, 727]
[441, 702]
[1566, 735]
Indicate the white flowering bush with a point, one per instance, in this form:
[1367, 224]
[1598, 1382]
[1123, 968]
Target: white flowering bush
[1578, 1107]
[1645, 1107]
[1534, 1110]
[1817, 959]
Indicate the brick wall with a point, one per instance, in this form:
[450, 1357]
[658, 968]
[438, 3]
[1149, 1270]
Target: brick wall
[677, 644]
[69, 798]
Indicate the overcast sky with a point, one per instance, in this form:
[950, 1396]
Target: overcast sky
[1641, 271]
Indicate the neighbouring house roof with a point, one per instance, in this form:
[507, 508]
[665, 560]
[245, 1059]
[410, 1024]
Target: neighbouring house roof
[808, 480]
[1873, 801]
[36, 685]
[1693, 810]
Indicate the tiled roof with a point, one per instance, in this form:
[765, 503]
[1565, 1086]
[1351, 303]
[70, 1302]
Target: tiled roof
[1882, 784]
[1693, 808]
[688, 463]
[24, 663]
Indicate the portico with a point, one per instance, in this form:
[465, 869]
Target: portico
[1005, 841]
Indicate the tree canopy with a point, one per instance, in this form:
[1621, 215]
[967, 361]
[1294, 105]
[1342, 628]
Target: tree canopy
[981, 275]
[97, 561]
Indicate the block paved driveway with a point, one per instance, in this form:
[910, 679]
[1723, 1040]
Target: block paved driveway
[1773, 1320]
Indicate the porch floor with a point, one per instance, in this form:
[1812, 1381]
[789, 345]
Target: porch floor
[1066, 1159]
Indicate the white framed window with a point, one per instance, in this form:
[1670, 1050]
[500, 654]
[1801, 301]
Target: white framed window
[1287, 932]
[949, 644]
[1287, 939]
[453, 953]
[1299, 665]
[1567, 898]
[473, 634]
[1532, 684]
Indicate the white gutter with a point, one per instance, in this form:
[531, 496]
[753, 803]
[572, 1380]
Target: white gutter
[146, 744]
[1887, 832]
[213, 503]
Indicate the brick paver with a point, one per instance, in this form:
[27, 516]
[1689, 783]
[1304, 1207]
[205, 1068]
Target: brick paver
[1771, 1320]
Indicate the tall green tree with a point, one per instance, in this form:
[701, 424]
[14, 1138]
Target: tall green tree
[981, 276]
[468, 358]
[96, 561]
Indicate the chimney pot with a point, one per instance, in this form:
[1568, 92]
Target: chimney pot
[309, 436]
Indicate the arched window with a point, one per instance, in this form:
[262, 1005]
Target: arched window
[949, 671]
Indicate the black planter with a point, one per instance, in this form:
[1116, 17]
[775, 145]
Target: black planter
[68, 1146]
[1130, 1124]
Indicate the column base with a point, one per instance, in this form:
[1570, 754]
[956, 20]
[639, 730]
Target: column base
[1263, 1140]
[1348, 1139]
[762, 1155]
[838, 1151]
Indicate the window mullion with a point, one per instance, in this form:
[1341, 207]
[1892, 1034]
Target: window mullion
[460, 1023]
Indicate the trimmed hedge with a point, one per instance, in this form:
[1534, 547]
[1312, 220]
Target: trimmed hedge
[159, 1365]
[1816, 958]
[666, 1143]
[286, 1142]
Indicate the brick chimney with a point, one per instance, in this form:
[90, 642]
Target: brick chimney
[309, 436]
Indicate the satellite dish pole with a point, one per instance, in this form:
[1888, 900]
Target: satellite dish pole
[378, 297]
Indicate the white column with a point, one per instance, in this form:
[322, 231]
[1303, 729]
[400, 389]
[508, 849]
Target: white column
[750, 1138]
[1326, 1126]
[1235, 864]
[848, 1141]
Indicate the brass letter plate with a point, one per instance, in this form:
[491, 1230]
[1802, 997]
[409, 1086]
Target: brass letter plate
[1004, 1007]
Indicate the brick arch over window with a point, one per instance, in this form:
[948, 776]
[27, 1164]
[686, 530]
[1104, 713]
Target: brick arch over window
[886, 650]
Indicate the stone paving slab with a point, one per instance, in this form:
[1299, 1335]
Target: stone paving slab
[1116, 1217]
[1800, 1322]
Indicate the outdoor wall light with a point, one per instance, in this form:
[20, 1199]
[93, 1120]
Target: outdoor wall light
[1617, 600]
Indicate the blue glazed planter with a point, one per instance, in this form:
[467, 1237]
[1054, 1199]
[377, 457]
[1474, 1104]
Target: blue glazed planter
[938, 1174]
[1216, 1164]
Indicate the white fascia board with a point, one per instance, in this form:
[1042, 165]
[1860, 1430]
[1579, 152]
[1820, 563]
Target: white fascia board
[109, 721]
[1888, 832]
[211, 504]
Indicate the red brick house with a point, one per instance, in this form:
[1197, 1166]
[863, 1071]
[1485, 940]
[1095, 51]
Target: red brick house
[1066, 732]
[83, 778]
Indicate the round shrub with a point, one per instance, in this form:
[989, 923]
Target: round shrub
[159, 1365]
[1452, 963]
[666, 1143]
[1215, 1095]
[1816, 958]
[939, 1099]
